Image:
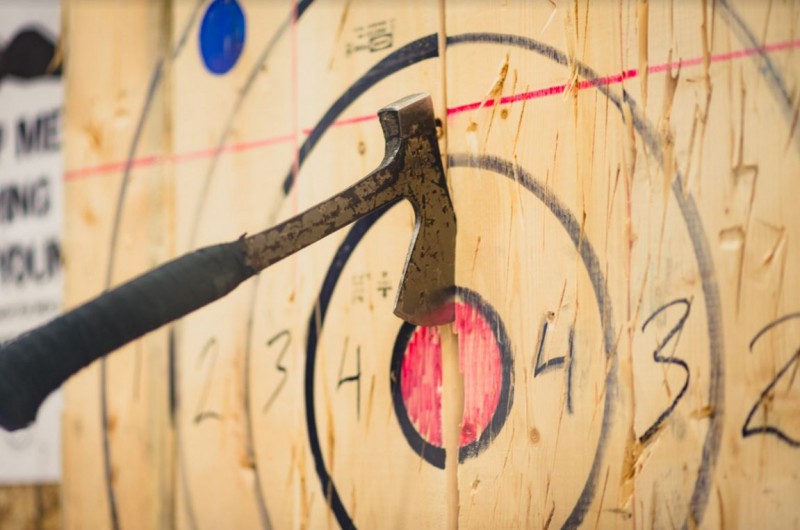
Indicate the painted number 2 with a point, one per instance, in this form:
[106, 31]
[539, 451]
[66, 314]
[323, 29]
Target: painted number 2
[211, 350]
[768, 394]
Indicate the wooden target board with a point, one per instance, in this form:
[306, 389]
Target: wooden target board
[624, 352]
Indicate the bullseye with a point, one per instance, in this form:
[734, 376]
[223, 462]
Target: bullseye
[480, 364]
[486, 365]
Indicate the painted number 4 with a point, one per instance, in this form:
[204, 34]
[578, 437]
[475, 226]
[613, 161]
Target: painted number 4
[353, 377]
[542, 367]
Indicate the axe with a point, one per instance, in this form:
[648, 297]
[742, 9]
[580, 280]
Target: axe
[38, 362]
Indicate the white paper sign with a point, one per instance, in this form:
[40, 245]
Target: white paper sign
[30, 216]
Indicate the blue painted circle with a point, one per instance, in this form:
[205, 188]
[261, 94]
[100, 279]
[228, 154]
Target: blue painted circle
[222, 35]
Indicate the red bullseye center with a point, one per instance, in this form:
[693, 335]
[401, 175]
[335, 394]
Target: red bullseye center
[481, 367]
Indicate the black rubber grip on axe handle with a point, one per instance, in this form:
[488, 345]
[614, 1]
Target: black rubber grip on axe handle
[38, 362]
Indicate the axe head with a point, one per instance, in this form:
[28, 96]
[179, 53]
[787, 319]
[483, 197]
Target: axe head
[427, 288]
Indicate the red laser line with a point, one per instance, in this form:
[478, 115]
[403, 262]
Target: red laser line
[452, 111]
[347, 121]
[177, 158]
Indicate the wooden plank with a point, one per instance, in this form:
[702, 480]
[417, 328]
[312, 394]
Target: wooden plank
[113, 50]
[219, 197]
[651, 201]
[30, 506]
[251, 380]
[354, 450]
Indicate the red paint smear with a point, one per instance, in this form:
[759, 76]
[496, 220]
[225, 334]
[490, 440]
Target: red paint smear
[524, 96]
[481, 366]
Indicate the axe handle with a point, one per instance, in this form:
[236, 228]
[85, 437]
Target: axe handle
[38, 362]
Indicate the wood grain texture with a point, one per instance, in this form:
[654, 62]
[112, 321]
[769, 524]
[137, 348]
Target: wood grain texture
[30, 507]
[117, 457]
[623, 175]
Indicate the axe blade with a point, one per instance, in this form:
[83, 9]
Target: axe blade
[427, 287]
